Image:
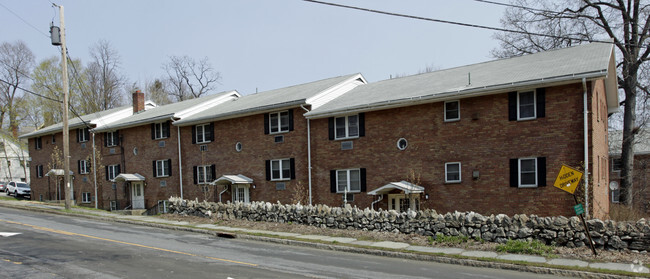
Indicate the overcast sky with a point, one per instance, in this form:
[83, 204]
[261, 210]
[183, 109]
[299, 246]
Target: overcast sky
[261, 45]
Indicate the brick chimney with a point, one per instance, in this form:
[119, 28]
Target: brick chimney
[138, 101]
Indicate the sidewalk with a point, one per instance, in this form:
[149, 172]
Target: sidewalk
[537, 264]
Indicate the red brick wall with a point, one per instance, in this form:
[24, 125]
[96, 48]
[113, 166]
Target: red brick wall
[599, 150]
[256, 149]
[484, 145]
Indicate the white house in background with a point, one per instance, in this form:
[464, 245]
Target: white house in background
[14, 160]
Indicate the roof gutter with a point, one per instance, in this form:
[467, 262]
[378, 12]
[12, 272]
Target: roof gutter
[241, 113]
[480, 91]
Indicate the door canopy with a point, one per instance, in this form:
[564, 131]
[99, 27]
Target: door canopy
[232, 179]
[406, 187]
[128, 177]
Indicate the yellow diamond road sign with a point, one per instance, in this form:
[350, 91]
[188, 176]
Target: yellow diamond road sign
[568, 179]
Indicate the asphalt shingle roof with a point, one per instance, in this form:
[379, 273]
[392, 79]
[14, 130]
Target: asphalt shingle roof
[570, 63]
[77, 122]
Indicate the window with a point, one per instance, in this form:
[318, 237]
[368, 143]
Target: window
[452, 110]
[348, 180]
[617, 163]
[526, 105]
[159, 130]
[110, 139]
[38, 143]
[53, 139]
[39, 171]
[83, 166]
[83, 135]
[402, 144]
[114, 205]
[238, 146]
[616, 194]
[452, 172]
[162, 168]
[528, 172]
[85, 197]
[282, 169]
[347, 127]
[204, 174]
[163, 206]
[279, 122]
[112, 171]
[240, 193]
[203, 133]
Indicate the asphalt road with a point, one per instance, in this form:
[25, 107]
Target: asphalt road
[55, 246]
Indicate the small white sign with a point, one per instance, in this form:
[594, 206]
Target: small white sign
[7, 234]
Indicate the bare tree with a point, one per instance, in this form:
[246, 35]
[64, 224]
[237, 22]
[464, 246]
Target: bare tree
[157, 92]
[16, 61]
[188, 79]
[571, 22]
[105, 83]
[47, 82]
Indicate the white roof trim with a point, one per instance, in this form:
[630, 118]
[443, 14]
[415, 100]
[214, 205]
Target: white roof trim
[406, 187]
[57, 172]
[127, 177]
[232, 179]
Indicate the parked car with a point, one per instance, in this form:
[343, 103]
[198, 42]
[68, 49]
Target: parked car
[18, 189]
[3, 186]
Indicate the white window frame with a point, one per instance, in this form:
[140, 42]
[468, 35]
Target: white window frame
[347, 127]
[111, 139]
[534, 105]
[521, 185]
[615, 198]
[161, 171]
[84, 167]
[614, 165]
[39, 171]
[445, 111]
[460, 178]
[203, 128]
[240, 193]
[204, 174]
[81, 132]
[112, 172]
[86, 197]
[278, 122]
[281, 163]
[158, 131]
[347, 188]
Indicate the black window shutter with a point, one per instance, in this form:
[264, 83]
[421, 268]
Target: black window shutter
[362, 124]
[514, 172]
[194, 135]
[116, 138]
[78, 166]
[330, 127]
[213, 172]
[169, 166]
[512, 106]
[541, 171]
[119, 170]
[333, 181]
[266, 123]
[292, 166]
[268, 170]
[362, 177]
[195, 171]
[105, 139]
[167, 128]
[155, 173]
[106, 168]
[77, 135]
[86, 133]
[153, 130]
[211, 131]
[291, 120]
[541, 102]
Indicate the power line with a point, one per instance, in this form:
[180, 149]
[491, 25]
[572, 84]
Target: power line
[25, 21]
[30, 92]
[461, 23]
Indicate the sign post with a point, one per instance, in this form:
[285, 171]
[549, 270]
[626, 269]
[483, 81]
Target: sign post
[568, 180]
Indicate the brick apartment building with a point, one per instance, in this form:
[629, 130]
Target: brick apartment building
[488, 137]
[641, 190]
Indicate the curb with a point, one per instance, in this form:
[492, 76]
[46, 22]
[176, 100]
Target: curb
[384, 252]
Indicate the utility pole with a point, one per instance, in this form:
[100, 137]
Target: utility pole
[66, 132]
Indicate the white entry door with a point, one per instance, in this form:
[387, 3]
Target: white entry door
[137, 195]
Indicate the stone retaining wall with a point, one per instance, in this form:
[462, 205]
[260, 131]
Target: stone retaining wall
[559, 231]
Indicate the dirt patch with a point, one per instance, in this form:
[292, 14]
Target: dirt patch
[583, 253]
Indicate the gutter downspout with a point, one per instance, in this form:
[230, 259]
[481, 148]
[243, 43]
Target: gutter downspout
[586, 143]
[180, 165]
[308, 154]
[95, 170]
